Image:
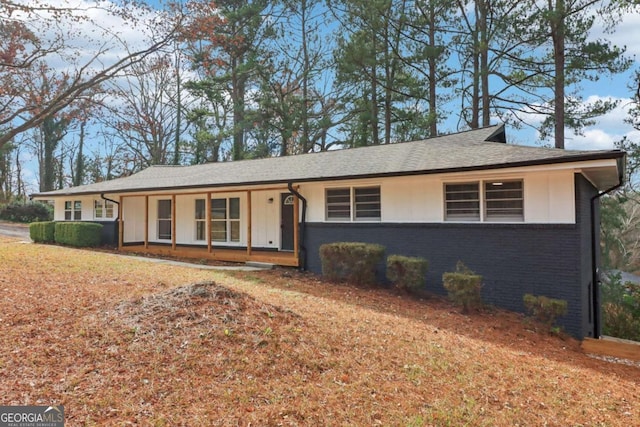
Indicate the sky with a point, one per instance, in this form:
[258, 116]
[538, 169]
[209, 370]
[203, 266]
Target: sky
[611, 127]
[608, 129]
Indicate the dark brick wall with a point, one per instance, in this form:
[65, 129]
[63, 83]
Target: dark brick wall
[514, 259]
[584, 193]
[109, 232]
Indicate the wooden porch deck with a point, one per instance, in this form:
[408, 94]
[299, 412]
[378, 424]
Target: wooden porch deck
[288, 259]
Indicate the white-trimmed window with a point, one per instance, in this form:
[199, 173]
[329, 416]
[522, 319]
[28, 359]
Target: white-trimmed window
[164, 219]
[353, 204]
[501, 201]
[225, 220]
[72, 210]
[338, 204]
[102, 209]
[462, 201]
[201, 219]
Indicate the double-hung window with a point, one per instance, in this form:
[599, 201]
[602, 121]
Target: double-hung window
[496, 200]
[225, 220]
[72, 210]
[102, 209]
[353, 204]
[164, 219]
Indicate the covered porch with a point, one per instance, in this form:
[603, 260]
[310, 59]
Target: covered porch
[229, 225]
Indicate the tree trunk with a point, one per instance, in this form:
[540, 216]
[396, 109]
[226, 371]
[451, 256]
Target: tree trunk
[557, 34]
[484, 61]
[79, 175]
[305, 78]
[433, 69]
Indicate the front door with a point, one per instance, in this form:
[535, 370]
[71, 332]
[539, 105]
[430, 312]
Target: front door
[286, 221]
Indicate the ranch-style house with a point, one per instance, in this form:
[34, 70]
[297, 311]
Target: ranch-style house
[525, 218]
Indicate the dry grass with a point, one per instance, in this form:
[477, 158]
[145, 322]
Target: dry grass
[120, 342]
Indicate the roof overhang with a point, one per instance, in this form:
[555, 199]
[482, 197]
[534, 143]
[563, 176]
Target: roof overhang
[603, 170]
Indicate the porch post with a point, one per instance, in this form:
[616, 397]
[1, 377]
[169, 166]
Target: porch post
[120, 223]
[173, 222]
[207, 216]
[249, 222]
[146, 221]
[296, 207]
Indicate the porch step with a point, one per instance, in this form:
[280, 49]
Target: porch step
[263, 265]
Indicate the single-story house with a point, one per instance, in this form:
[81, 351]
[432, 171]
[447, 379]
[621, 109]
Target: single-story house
[525, 218]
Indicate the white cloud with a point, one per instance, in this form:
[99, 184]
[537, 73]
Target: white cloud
[625, 32]
[608, 129]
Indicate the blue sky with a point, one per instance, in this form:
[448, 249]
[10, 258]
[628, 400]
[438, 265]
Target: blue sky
[607, 130]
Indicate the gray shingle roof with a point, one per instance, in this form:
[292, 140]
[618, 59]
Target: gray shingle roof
[470, 150]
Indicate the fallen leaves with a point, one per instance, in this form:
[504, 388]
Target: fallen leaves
[123, 342]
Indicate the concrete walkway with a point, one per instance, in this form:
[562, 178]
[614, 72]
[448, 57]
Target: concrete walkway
[239, 267]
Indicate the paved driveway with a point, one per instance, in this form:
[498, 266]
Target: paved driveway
[11, 229]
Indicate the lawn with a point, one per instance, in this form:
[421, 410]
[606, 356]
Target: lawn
[119, 341]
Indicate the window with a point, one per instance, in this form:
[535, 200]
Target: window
[462, 202]
[367, 203]
[201, 220]
[102, 209]
[72, 210]
[225, 220]
[502, 201]
[358, 204]
[164, 219]
[339, 204]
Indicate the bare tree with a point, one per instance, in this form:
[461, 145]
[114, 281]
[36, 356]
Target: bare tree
[144, 112]
[31, 35]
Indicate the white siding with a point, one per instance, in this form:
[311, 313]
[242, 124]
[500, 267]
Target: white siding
[133, 218]
[88, 213]
[549, 196]
[186, 219]
[265, 219]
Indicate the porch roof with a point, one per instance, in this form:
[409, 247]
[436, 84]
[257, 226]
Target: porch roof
[479, 149]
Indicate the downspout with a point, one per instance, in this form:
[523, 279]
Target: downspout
[112, 201]
[303, 220]
[117, 220]
[595, 287]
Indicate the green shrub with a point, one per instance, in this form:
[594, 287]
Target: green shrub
[407, 273]
[80, 234]
[543, 309]
[463, 287]
[27, 212]
[351, 261]
[620, 308]
[42, 232]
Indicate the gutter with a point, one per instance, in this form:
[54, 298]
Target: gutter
[595, 287]
[302, 248]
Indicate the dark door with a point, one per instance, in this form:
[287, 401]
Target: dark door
[286, 221]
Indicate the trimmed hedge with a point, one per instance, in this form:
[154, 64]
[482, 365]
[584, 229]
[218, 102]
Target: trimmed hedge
[27, 212]
[80, 234]
[463, 287]
[544, 309]
[407, 273]
[351, 261]
[42, 232]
